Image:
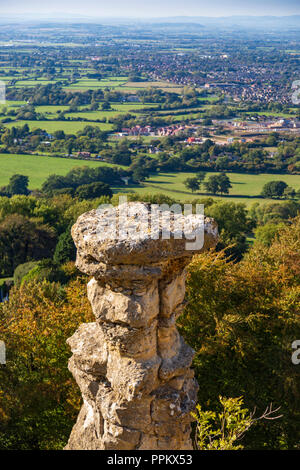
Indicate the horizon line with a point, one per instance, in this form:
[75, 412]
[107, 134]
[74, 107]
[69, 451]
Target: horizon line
[78, 15]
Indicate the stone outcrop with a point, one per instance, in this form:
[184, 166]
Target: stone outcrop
[131, 364]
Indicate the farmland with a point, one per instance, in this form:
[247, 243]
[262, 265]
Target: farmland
[117, 98]
[245, 187]
[69, 127]
[38, 168]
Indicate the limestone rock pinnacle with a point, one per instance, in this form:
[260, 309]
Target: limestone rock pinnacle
[131, 364]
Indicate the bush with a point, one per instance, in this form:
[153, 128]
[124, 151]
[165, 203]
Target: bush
[223, 430]
[22, 270]
[45, 270]
[266, 233]
[93, 190]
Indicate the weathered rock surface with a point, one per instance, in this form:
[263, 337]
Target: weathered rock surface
[131, 365]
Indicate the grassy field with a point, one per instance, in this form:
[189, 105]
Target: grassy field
[87, 83]
[271, 114]
[70, 127]
[38, 168]
[116, 110]
[245, 187]
[32, 83]
[51, 112]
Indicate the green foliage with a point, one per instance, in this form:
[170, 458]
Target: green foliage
[93, 190]
[192, 184]
[218, 184]
[274, 212]
[158, 198]
[241, 320]
[65, 249]
[105, 106]
[139, 174]
[39, 401]
[222, 430]
[274, 189]
[266, 233]
[22, 270]
[45, 270]
[18, 184]
[80, 176]
[23, 240]
[233, 225]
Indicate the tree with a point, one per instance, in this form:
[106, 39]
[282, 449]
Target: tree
[45, 269]
[212, 185]
[54, 182]
[224, 183]
[201, 175]
[218, 184]
[241, 319]
[140, 174]
[65, 249]
[18, 184]
[106, 106]
[273, 189]
[38, 401]
[94, 106]
[274, 212]
[192, 184]
[289, 193]
[22, 240]
[233, 225]
[122, 158]
[59, 135]
[93, 190]
[265, 234]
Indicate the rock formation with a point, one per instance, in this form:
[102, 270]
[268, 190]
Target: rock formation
[131, 364]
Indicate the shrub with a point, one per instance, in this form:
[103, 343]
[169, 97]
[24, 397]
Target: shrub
[22, 270]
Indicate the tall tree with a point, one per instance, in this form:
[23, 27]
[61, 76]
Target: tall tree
[274, 189]
[192, 184]
[18, 184]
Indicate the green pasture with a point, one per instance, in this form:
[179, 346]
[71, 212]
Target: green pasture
[69, 127]
[246, 188]
[38, 168]
[87, 83]
[32, 83]
[271, 114]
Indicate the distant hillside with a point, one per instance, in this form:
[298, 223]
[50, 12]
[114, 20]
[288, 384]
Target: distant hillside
[176, 21]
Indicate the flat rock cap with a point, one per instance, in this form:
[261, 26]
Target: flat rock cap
[139, 234]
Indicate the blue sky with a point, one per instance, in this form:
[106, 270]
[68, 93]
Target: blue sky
[151, 8]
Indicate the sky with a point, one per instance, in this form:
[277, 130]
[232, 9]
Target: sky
[150, 8]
